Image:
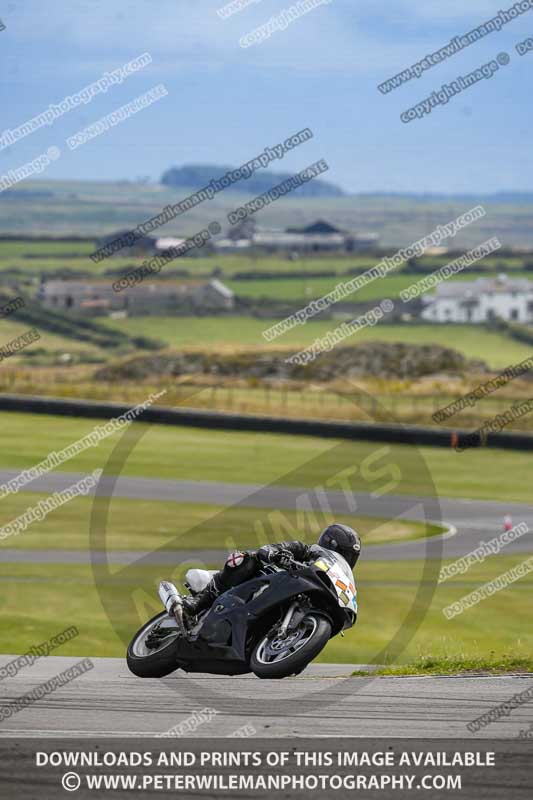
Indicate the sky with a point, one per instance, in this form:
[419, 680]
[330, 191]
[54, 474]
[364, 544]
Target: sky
[226, 103]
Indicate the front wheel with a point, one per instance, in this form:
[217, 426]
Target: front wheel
[273, 657]
[152, 653]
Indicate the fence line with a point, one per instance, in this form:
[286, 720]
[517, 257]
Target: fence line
[394, 434]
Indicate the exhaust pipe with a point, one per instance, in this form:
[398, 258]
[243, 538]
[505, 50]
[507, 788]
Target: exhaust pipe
[171, 599]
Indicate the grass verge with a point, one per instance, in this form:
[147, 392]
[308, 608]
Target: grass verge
[456, 665]
[390, 593]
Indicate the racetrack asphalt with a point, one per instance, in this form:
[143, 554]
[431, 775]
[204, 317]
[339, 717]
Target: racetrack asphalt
[110, 701]
[473, 521]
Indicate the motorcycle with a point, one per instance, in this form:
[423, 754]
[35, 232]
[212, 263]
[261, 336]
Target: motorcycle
[273, 625]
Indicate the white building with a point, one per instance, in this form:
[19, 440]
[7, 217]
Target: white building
[167, 242]
[224, 246]
[478, 301]
[273, 241]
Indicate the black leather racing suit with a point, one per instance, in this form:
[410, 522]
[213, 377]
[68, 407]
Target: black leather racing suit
[234, 573]
[242, 566]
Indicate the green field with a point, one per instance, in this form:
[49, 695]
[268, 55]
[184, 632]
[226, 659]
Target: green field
[151, 525]
[53, 343]
[92, 208]
[67, 594]
[305, 289]
[47, 256]
[32, 268]
[212, 332]
[235, 457]
[45, 249]
[34, 257]
[499, 625]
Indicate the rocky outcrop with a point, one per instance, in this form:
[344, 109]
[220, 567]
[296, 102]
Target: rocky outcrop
[377, 359]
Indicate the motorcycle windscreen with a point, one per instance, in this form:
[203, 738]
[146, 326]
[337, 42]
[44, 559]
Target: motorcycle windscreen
[341, 576]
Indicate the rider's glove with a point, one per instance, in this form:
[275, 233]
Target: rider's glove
[283, 558]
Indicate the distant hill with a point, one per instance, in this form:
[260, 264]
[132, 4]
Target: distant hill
[195, 176]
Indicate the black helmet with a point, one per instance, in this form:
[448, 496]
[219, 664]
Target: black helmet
[342, 540]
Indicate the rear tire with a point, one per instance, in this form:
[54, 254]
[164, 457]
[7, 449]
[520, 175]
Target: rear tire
[310, 638]
[145, 663]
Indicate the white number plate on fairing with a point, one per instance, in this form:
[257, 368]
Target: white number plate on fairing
[341, 576]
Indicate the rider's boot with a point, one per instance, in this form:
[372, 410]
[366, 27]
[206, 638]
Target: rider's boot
[194, 605]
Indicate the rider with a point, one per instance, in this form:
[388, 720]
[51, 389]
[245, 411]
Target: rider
[240, 567]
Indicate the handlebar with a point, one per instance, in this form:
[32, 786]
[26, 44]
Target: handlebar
[271, 567]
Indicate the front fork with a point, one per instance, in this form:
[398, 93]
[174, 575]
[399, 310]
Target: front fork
[286, 621]
[293, 616]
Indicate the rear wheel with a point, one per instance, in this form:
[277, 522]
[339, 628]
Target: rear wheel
[153, 651]
[274, 657]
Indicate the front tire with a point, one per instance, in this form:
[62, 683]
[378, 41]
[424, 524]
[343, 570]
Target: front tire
[147, 662]
[279, 658]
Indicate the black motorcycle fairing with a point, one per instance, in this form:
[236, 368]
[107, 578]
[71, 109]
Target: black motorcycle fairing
[222, 641]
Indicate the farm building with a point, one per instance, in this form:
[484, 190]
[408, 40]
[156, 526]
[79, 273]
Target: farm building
[319, 237]
[148, 298]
